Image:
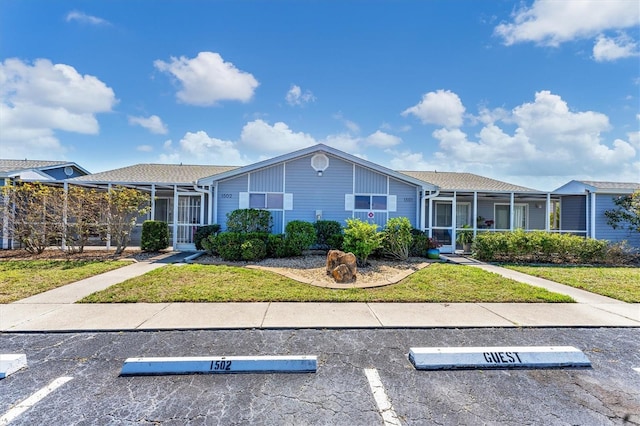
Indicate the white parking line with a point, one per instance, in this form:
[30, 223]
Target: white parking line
[385, 408]
[10, 415]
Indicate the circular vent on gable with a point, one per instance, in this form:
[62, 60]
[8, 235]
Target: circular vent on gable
[319, 162]
[68, 171]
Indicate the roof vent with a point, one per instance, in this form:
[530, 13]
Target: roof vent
[68, 171]
[319, 162]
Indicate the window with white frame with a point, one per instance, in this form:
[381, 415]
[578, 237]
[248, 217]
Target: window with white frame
[370, 202]
[266, 201]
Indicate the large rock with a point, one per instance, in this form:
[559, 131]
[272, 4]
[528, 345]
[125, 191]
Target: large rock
[341, 266]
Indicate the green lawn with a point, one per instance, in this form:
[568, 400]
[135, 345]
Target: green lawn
[215, 283]
[618, 283]
[24, 278]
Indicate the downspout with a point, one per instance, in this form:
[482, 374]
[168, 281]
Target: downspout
[592, 224]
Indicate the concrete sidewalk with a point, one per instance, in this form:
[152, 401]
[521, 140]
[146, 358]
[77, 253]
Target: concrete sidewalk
[55, 310]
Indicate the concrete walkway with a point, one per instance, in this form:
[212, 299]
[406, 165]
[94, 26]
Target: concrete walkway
[55, 310]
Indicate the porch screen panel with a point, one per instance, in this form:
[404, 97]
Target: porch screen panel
[502, 217]
[463, 214]
[520, 216]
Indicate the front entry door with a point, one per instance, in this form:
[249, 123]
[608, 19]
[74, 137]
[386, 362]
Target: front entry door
[442, 229]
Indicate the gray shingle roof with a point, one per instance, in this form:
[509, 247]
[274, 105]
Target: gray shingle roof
[455, 181]
[611, 185]
[12, 166]
[154, 173]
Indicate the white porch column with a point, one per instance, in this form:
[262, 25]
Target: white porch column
[209, 205]
[475, 213]
[65, 208]
[175, 217]
[153, 201]
[511, 206]
[214, 197]
[420, 207]
[547, 221]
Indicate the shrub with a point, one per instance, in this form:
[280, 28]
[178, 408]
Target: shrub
[335, 241]
[299, 236]
[397, 238]
[539, 247]
[361, 239]
[622, 254]
[254, 249]
[325, 231]
[249, 220]
[228, 245]
[155, 235]
[202, 233]
[276, 246]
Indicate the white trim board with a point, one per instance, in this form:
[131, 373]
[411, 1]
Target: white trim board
[497, 357]
[219, 365]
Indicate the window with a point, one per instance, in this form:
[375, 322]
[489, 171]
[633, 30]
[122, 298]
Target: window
[266, 201]
[463, 214]
[503, 216]
[370, 202]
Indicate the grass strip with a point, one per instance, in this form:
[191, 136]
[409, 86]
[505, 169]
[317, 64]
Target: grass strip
[24, 278]
[215, 283]
[622, 283]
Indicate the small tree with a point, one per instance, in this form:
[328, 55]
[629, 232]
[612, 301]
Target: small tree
[83, 212]
[122, 208]
[361, 239]
[397, 238]
[33, 214]
[627, 213]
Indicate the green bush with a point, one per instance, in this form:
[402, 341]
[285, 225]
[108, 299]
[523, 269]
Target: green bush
[361, 239]
[276, 246]
[202, 233]
[538, 247]
[299, 236]
[228, 245]
[155, 235]
[249, 220]
[325, 231]
[397, 238]
[335, 241]
[421, 243]
[254, 249]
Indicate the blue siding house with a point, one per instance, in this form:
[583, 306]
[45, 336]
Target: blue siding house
[323, 183]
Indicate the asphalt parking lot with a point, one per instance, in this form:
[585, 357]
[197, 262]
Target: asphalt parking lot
[75, 378]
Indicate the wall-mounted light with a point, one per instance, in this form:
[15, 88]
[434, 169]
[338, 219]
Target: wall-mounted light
[319, 173]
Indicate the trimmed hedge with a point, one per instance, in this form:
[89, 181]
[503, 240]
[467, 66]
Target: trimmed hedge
[538, 247]
[299, 236]
[155, 235]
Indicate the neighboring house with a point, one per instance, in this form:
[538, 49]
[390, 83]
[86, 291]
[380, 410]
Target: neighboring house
[582, 207]
[32, 171]
[324, 183]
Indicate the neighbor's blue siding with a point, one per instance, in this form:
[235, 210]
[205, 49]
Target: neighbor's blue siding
[573, 210]
[604, 231]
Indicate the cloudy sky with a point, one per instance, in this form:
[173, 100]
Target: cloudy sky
[535, 93]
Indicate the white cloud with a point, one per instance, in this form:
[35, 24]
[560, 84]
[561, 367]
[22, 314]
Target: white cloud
[382, 140]
[200, 148]
[550, 145]
[442, 108]
[153, 123]
[551, 22]
[611, 49]
[207, 79]
[295, 97]
[85, 19]
[36, 100]
[260, 136]
[144, 148]
[350, 125]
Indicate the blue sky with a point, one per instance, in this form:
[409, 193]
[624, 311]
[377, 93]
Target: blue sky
[535, 93]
